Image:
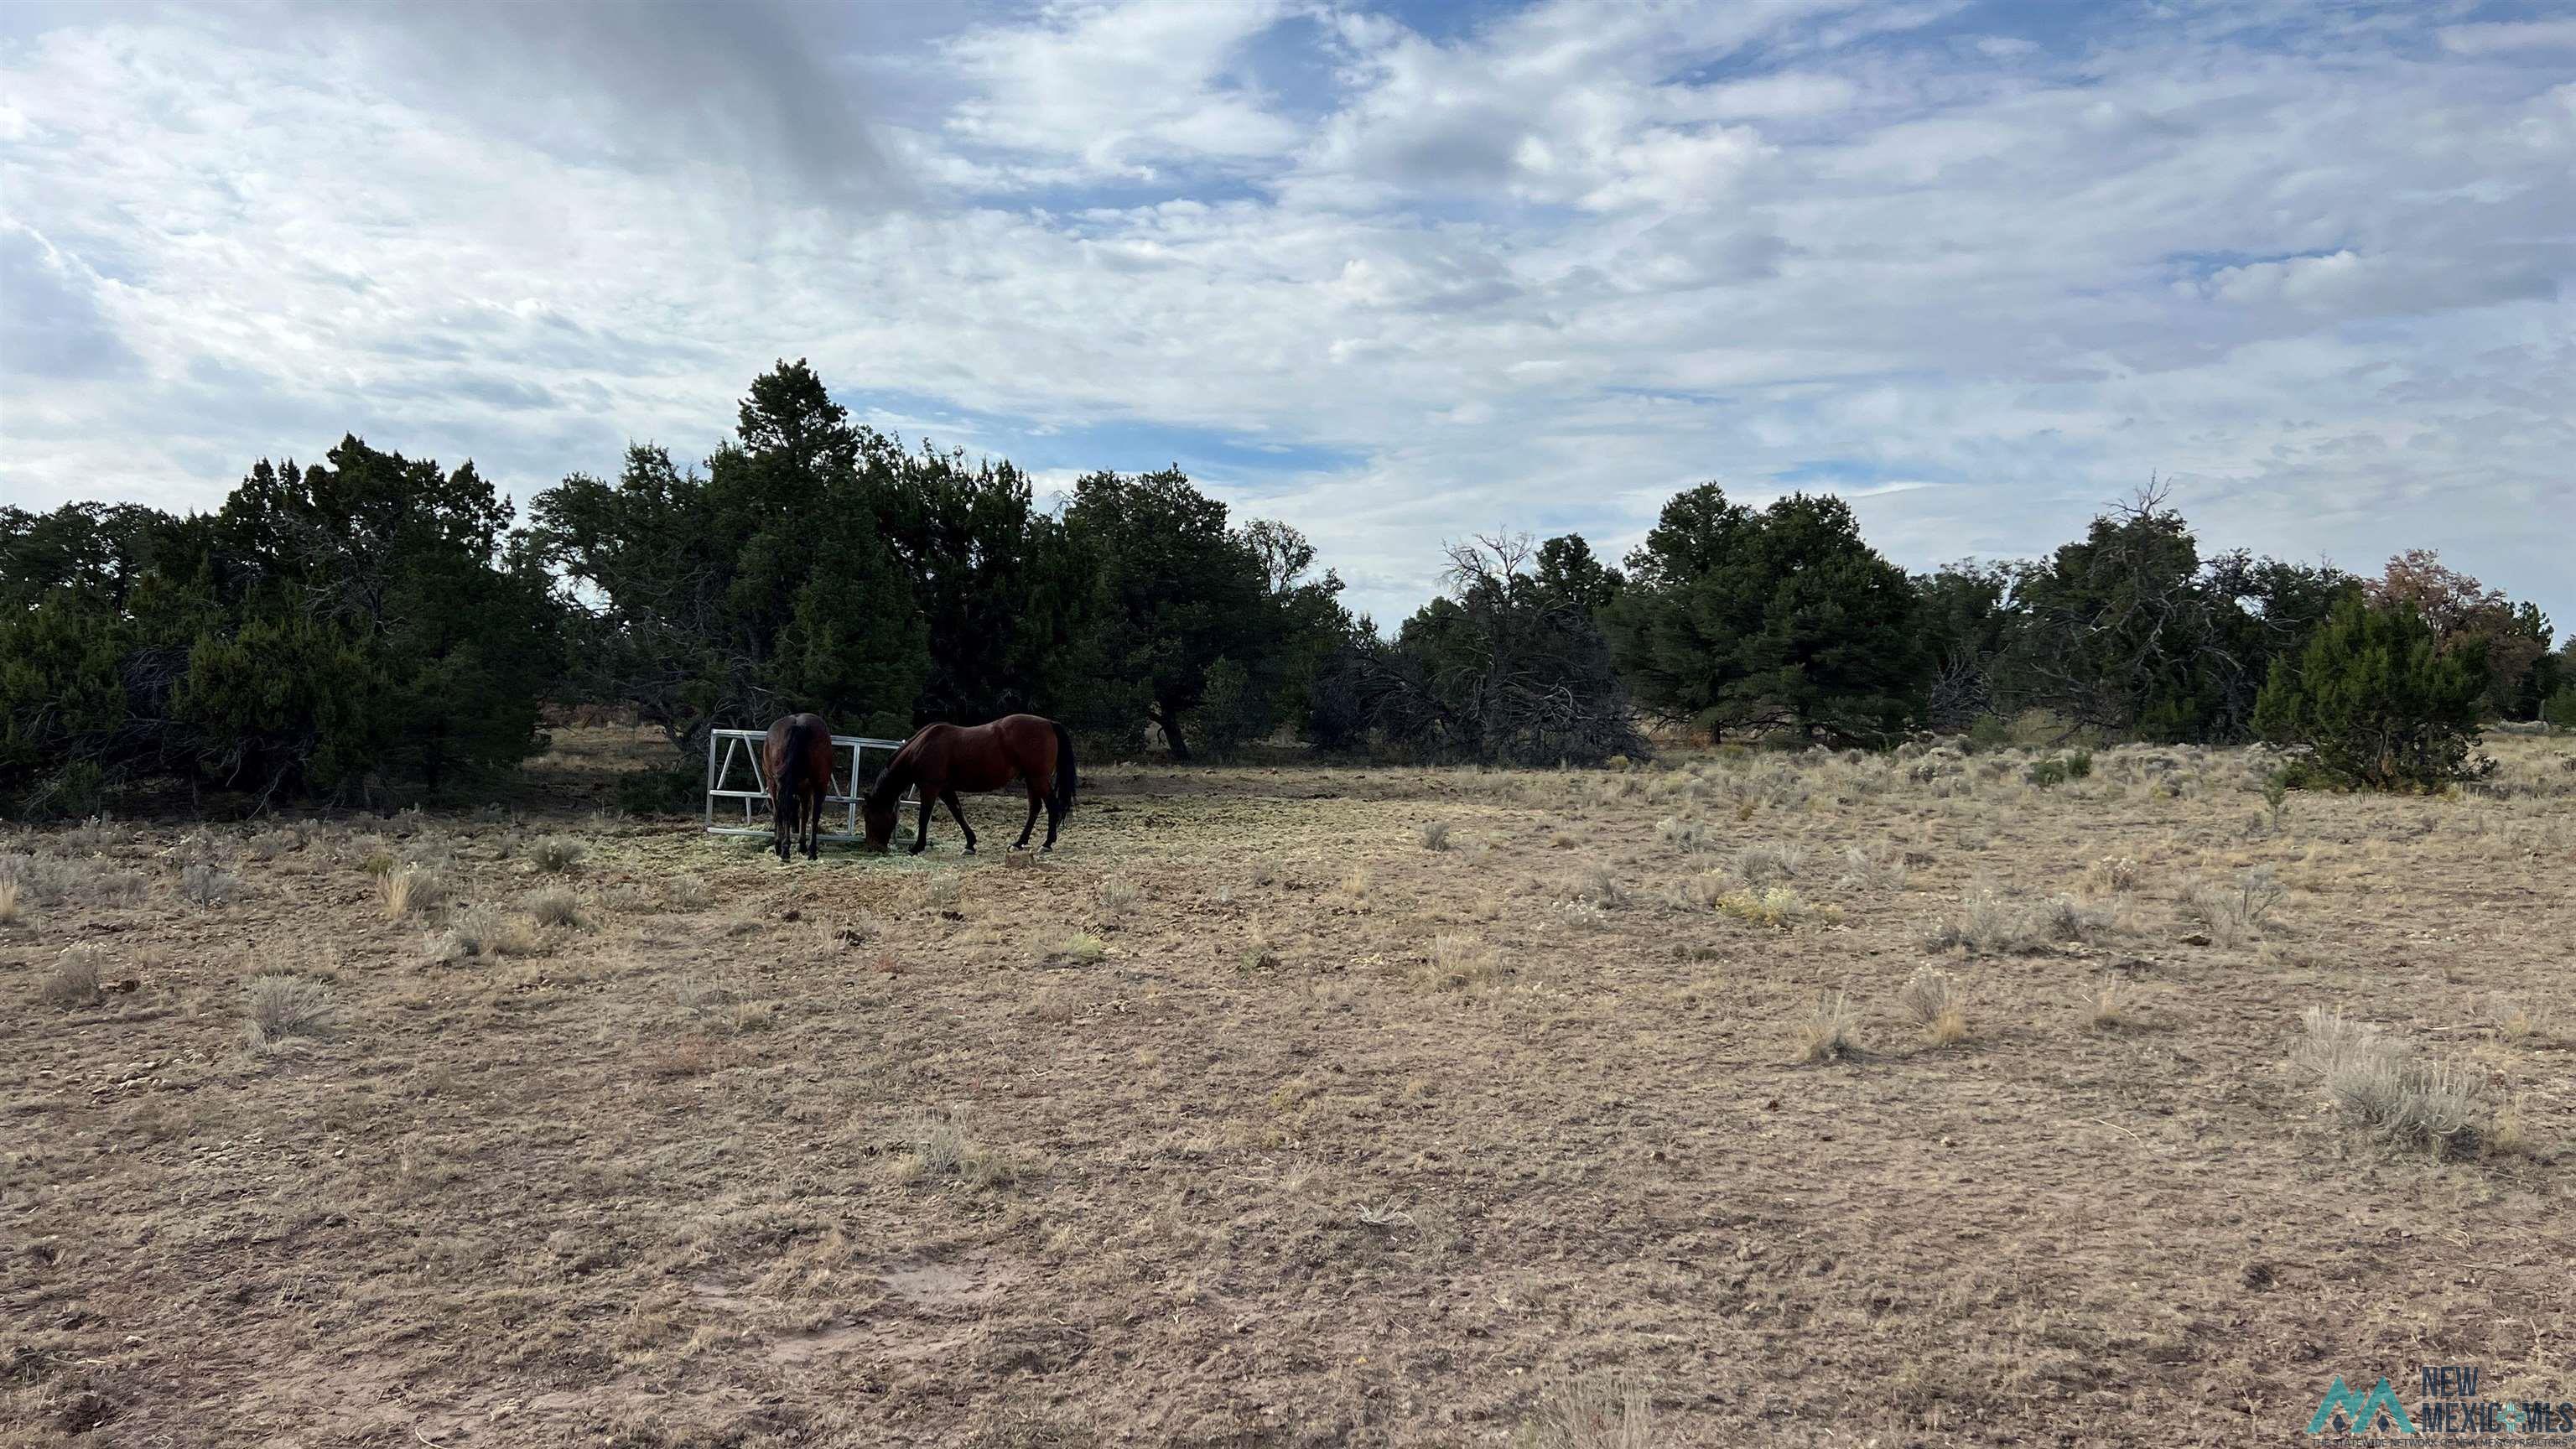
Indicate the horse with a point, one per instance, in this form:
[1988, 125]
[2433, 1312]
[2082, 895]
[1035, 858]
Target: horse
[943, 759]
[797, 758]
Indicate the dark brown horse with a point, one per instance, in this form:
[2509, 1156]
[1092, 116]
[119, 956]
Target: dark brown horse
[797, 759]
[943, 759]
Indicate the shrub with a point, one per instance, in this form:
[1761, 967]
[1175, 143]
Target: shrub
[278, 1008]
[2379, 701]
[2376, 1082]
[2047, 773]
[1873, 869]
[481, 931]
[1435, 835]
[12, 902]
[1119, 895]
[1259, 952]
[554, 907]
[1760, 865]
[205, 885]
[2560, 708]
[74, 981]
[942, 1148]
[1931, 1000]
[1462, 962]
[1987, 923]
[689, 893]
[409, 890]
[378, 862]
[2233, 910]
[2117, 874]
[1591, 1416]
[1827, 1031]
[1774, 906]
[1083, 949]
[2109, 1008]
[555, 854]
[1602, 887]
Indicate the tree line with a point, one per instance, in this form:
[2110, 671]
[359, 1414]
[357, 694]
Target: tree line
[374, 627]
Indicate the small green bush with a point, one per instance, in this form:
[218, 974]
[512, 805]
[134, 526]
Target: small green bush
[2379, 701]
[2076, 766]
[2560, 708]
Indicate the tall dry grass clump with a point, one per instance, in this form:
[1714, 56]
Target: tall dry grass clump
[2382, 1086]
[1989, 924]
[206, 885]
[555, 854]
[277, 1010]
[13, 903]
[1828, 1032]
[74, 982]
[1591, 1416]
[409, 890]
[554, 906]
[1932, 1000]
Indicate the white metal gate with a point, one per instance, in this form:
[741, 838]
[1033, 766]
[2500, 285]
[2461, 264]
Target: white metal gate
[726, 748]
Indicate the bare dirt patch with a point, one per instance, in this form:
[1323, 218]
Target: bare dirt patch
[1325, 1134]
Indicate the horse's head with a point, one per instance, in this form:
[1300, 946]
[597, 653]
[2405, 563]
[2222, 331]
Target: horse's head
[878, 815]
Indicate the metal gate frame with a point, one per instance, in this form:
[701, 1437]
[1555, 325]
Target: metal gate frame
[745, 746]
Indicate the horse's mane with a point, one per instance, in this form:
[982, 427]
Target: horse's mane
[898, 773]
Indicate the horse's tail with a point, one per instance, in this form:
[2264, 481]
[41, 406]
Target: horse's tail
[1064, 771]
[790, 764]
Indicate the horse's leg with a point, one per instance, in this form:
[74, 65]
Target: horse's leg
[921, 831]
[950, 796]
[1037, 797]
[814, 813]
[1055, 818]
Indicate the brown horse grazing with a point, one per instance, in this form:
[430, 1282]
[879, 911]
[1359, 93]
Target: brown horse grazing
[797, 758]
[943, 759]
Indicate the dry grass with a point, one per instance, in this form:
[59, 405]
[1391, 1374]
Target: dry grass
[410, 890]
[1775, 906]
[482, 932]
[1119, 896]
[1435, 835]
[1761, 865]
[1932, 1000]
[1286, 1164]
[555, 906]
[1591, 1415]
[13, 904]
[206, 885]
[2112, 1005]
[1828, 1031]
[2234, 911]
[2382, 1086]
[1987, 923]
[278, 1011]
[1460, 962]
[944, 1148]
[74, 980]
[555, 854]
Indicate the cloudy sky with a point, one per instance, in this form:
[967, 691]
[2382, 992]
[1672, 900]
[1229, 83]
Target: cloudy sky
[1394, 273]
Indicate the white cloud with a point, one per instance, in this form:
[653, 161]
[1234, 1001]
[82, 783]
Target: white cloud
[1120, 86]
[1535, 274]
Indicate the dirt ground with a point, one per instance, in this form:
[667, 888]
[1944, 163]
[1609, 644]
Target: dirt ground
[1264, 1112]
